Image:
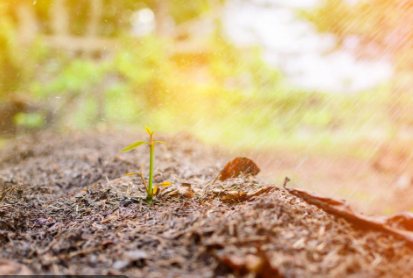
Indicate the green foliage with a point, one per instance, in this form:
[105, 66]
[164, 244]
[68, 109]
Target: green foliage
[78, 76]
[134, 146]
[30, 120]
[380, 25]
[380, 29]
[150, 190]
[18, 63]
[183, 11]
[116, 14]
[221, 93]
[9, 54]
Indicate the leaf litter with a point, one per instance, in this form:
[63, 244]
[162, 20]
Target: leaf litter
[65, 208]
[399, 225]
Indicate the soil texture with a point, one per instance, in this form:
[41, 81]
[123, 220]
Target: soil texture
[67, 208]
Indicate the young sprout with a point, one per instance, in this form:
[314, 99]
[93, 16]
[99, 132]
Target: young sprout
[150, 190]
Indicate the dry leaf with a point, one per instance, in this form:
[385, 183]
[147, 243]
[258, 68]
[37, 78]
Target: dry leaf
[260, 191]
[172, 193]
[403, 220]
[188, 192]
[238, 166]
[232, 196]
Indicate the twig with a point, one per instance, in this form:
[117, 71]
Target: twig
[8, 225]
[111, 185]
[143, 180]
[287, 179]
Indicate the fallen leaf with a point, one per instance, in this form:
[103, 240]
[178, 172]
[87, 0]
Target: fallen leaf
[238, 166]
[172, 193]
[232, 196]
[188, 192]
[403, 220]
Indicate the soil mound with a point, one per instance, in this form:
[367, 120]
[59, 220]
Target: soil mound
[65, 208]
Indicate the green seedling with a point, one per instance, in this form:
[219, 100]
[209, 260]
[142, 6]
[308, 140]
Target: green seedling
[150, 190]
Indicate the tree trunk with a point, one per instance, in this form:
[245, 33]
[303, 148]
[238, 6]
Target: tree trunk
[27, 28]
[94, 19]
[59, 18]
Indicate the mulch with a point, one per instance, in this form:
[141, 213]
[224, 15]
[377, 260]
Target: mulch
[66, 208]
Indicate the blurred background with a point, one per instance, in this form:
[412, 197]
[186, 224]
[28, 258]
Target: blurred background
[319, 90]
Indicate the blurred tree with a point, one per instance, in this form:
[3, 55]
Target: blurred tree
[184, 72]
[374, 29]
[149, 66]
[9, 54]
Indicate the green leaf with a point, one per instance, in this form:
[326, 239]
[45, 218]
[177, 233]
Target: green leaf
[161, 142]
[148, 130]
[166, 184]
[134, 145]
[130, 174]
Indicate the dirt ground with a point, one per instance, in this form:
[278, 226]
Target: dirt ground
[367, 190]
[66, 208]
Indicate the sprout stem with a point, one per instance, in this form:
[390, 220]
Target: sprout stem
[150, 188]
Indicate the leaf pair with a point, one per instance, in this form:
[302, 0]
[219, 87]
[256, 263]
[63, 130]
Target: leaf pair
[139, 143]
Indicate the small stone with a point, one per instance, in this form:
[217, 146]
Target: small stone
[120, 264]
[136, 255]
